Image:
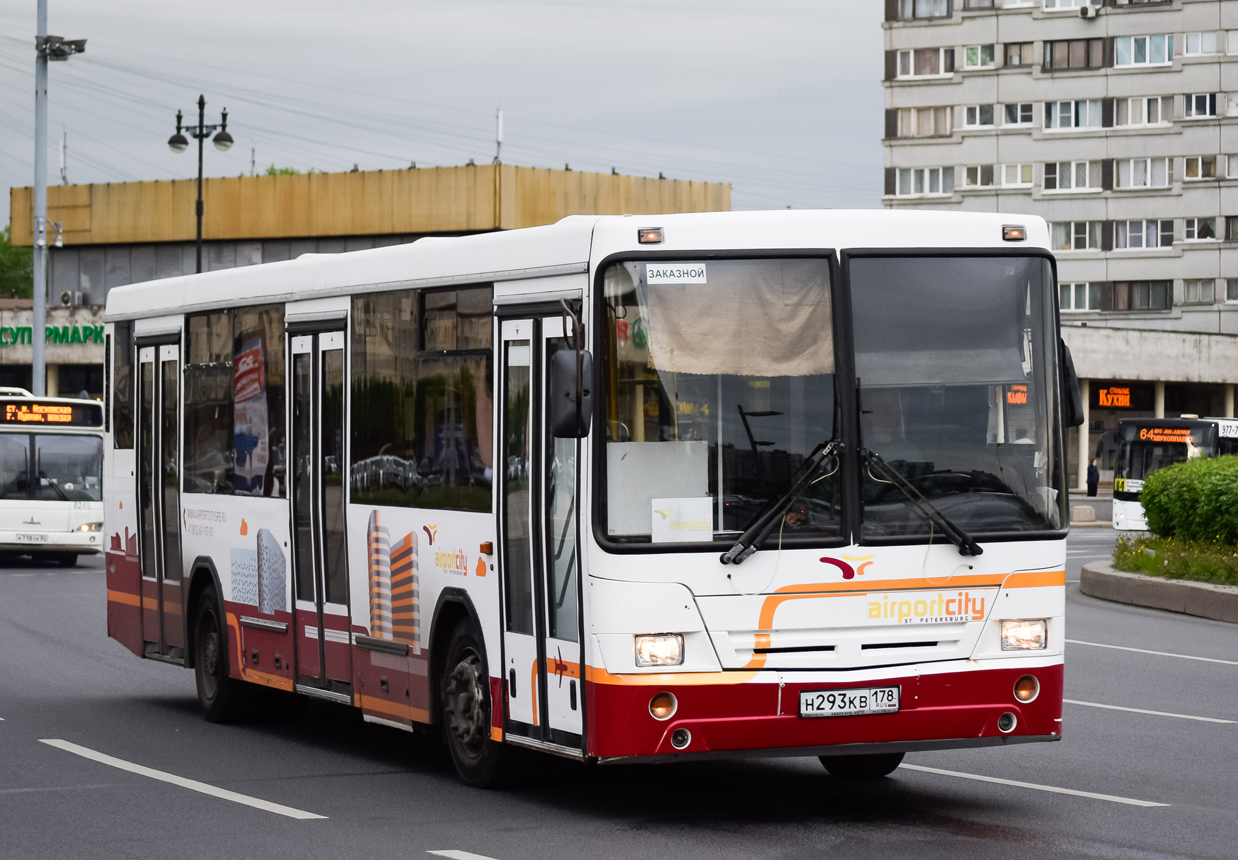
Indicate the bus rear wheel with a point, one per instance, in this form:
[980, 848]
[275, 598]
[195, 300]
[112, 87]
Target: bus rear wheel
[464, 699]
[862, 766]
[216, 691]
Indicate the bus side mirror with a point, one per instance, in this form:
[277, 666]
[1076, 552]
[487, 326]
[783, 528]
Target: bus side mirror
[570, 398]
[1072, 399]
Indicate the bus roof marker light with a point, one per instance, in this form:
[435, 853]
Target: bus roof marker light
[649, 236]
[1014, 232]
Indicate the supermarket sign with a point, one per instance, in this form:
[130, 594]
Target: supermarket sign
[20, 335]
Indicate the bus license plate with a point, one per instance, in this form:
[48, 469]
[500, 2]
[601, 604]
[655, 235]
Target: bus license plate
[28, 538]
[849, 703]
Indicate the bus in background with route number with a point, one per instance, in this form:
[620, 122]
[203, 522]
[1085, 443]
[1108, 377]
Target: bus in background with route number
[51, 469]
[1148, 444]
[619, 488]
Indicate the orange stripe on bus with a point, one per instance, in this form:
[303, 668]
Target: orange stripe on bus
[123, 597]
[594, 675]
[265, 678]
[1036, 579]
[407, 712]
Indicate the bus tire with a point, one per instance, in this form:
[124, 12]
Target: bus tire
[464, 701]
[217, 692]
[862, 766]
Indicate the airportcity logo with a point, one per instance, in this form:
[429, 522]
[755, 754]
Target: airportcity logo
[927, 607]
[848, 564]
[452, 562]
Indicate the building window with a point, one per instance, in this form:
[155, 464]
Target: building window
[1231, 167]
[921, 181]
[978, 4]
[1142, 295]
[1074, 54]
[1200, 167]
[1072, 176]
[1075, 235]
[977, 115]
[978, 57]
[1016, 175]
[1018, 53]
[1198, 291]
[1143, 50]
[926, 62]
[1079, 297]
[1069, 4]
[1018, 114]
[1083, 113]
[1231, 227]
[909, 9]
[1231, 39]
[1200, 230]
[924, 122]
[1146, 233]
[1201, 104]
[978, 176]
[1231, 289]
[1200, 43]
[1144, 110]
[1144, 172]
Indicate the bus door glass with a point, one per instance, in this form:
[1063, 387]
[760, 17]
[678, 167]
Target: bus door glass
[539, 553]
[159, 499]
[322, 621]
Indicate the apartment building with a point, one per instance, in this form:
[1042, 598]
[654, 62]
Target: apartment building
[1117, 122]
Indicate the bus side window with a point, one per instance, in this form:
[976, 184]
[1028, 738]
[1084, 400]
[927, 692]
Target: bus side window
[121, 417]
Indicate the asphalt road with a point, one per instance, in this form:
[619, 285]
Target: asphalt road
[385, 793]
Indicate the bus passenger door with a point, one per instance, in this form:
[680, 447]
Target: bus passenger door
[540, 563]
[322, 623]
[163, 627]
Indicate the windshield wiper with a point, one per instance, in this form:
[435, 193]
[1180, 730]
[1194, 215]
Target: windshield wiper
[966, 543]
[761, 525]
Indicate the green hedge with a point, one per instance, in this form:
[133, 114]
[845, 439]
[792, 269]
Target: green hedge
[1194, 501]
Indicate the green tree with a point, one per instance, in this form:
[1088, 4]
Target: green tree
[281, 171]
[16, 269]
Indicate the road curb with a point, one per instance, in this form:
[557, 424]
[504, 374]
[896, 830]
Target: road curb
[1203, 599]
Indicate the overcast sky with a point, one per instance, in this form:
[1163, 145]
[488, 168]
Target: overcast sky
[781, 98]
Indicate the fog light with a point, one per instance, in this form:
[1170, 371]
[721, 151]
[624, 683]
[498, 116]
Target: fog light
[663, 649]
[680, 738]
[663, 706]
[90, 527]
[1006, 723]
[1024, 635]
[1027, 688]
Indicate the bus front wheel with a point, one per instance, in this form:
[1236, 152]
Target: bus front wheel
[216, 691]
[862, 766]
[464, 699]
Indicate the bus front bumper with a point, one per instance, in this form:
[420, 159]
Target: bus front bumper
[943, 710]
[35, 542]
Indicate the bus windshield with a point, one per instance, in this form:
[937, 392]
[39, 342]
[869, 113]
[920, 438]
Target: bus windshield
[718, 383]
[955, 360]
[1144, 449]
[66, 468]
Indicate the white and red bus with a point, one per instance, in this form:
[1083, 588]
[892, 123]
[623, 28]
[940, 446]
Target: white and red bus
[618, 488]
[51, 468]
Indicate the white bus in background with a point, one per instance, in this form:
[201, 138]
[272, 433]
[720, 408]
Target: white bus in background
[1148, 444]
[617, 488]
[51, 467]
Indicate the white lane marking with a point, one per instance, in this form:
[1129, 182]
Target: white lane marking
[1130, 801]
[1142, 711]
[191, 784]
[458, 855]
[1157, 653]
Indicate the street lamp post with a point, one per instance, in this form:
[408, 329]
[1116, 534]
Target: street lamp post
[179, 143]
[47, 49]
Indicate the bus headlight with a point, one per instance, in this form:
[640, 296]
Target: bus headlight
[1024, 635]
[90, 527]
[662, 649]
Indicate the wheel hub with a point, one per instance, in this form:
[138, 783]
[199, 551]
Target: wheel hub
[465, 704]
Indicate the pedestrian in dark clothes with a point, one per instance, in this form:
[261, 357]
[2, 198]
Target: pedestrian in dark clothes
[1093, 478]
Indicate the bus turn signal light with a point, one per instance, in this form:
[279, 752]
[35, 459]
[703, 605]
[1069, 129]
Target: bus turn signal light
[663, 706]
[1027, 688]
